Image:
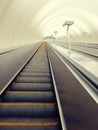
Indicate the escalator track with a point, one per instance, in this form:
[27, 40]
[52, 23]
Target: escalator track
[30, 100]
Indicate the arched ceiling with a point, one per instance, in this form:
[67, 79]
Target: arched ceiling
[24, 21]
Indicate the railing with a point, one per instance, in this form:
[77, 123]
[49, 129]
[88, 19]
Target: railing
[88, 83]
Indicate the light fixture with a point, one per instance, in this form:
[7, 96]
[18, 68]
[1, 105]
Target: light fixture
[68, 23]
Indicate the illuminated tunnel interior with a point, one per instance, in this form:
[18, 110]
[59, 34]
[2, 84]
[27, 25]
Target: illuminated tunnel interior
[23, 22]
[48, 64]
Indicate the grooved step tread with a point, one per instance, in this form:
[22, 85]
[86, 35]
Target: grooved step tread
[26, 104]
[27, 92]
[34, 74]
[31, 87]
[16, 83]
[33, 79]
[36, 71]
[28, 123]
[21, 76]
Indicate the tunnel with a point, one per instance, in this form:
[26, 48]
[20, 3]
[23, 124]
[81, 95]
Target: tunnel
[48, 65]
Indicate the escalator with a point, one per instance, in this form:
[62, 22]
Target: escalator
[30, 100]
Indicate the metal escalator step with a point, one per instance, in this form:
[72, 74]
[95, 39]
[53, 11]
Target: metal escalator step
[29, 119]
[36, 70]
[25, 96]
[30, 128]
[28, 110]
[35, 67]
[26, 104]
[33, 79]
[28, 123]
[32, 87]
[34, 74]
[45, 65]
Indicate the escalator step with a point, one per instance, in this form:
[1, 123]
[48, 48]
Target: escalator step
[35, 74]
[30, 128]
[31, 65]
[32, 87]
[36, 70]
[28, 120]
[21, 96]
[28, 124]
[33, 79]
[42, 64]
[34, 67]
[28, 110]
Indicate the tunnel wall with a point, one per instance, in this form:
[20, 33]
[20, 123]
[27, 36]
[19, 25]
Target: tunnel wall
[12, 61]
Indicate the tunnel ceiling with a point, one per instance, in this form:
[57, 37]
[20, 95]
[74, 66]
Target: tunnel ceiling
[24, 21]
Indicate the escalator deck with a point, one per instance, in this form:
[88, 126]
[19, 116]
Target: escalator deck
[30, 101]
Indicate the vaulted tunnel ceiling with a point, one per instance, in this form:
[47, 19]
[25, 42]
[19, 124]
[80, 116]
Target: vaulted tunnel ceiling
[25, 21]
